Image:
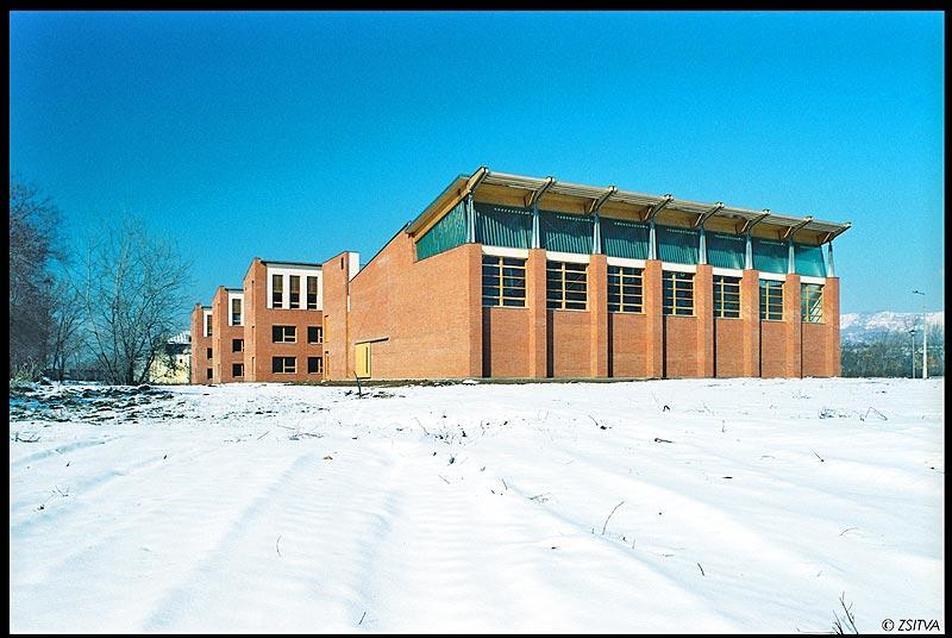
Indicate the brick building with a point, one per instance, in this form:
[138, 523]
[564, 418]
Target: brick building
[511, 276]
[202, 368]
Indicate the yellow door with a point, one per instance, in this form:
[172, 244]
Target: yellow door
[362, 360]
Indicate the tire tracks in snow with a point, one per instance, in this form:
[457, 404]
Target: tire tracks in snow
[330, 516]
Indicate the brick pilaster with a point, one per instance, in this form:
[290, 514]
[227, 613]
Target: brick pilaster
[598, 311]
[831, 317]
[750, 315]
[704, 311]
[474, 260]
[791, 316]
[535, 302]
[654, 329]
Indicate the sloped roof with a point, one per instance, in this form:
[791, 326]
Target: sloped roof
[488, 184]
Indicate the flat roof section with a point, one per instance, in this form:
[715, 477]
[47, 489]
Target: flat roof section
[290, 263]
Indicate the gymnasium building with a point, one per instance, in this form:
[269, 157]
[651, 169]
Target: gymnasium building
[521, 277]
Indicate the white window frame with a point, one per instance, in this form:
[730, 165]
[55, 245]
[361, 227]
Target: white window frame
[320, 365]
[284, 371]
[303, 272]
[241, 298]
[302, 299]
[320, 334]
[205, 315]
[283, 333]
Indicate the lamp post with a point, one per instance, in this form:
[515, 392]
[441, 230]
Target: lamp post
[912, 333]
[925, 331]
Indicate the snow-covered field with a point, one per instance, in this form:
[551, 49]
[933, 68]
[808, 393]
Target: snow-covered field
[669, 506]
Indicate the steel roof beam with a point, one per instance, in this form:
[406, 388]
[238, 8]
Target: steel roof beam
[790, 231]
[657, 208]
[703, 217]
[475, 180]
[598, 203]
[832, 234]
[750, 223]
[537, 194]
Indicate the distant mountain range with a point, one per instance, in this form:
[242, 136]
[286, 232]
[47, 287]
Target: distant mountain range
[860, 326]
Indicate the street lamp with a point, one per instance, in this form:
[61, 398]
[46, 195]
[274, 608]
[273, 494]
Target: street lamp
[925, 331]
[912, 333]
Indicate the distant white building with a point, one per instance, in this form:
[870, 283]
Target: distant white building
[173, 365]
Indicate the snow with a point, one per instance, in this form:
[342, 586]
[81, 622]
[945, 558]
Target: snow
[481, 507]
[888, 321]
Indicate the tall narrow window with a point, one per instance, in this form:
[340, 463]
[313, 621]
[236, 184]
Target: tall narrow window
[312, 293]
[315, 365]
[566, 285]
[208, 352]
[295, 291]
[208, 373]
[236, 311]
[624, 289]
[504, 281]
[726, 297]
[811, 303]
[277, 291]
[208, 325]
[771, 300]
[677, 293]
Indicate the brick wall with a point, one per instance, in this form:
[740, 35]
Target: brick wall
[750, 317]
[505, 347]
[338, 354]
[424, 317]
[773, 344]
[222, 336]
[629, 350]
[569, 343]
[654, 324]
[259, 320]
[200, 344]
[680, 347]
[729, 347]
[791, 317]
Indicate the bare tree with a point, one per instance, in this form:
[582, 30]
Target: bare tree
[65, 341]
[133, 297]
[33, 222]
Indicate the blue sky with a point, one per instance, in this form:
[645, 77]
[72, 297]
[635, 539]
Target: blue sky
[296, 136]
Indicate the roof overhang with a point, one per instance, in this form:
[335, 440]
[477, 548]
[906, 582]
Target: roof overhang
[510, 189]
